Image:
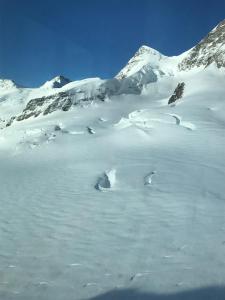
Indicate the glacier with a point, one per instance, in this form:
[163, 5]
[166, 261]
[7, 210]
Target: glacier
[137, 204]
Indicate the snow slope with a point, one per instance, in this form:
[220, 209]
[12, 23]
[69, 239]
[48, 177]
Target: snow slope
[115, 193]
[150, 58]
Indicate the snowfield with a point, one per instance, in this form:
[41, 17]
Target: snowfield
[112, 195]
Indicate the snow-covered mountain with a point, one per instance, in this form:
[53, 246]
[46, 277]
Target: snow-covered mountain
[112, 184]
[7, 84]
[147, 60]
[210, 50]
[56, 82]
[145, 67]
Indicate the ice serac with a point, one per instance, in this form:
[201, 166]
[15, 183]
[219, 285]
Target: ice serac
[210, 49]
[56, 82]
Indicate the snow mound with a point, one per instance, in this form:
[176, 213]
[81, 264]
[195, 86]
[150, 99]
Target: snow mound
[107, 180]
[123, 123]
[90, 130]
[148, 178]
[33, 138]
[187, 125]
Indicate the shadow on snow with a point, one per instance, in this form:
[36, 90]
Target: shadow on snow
[207, 293]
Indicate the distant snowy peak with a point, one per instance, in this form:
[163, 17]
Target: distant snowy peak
[209, 50]
[143, 57]
[7, 84]
[56, 82]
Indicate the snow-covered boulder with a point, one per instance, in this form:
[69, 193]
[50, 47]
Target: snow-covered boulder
[107, 180]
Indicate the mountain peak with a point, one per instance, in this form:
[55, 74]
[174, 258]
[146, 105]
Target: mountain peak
[220, 26]
[56, 82]
[144, 56]
[147, 50]
[7, 84]
[210, 49]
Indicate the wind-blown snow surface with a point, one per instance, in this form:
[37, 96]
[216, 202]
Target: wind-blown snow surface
[160, 228]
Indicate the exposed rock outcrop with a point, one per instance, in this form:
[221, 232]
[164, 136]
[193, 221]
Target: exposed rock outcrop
[90, 130]
[178, 93]
[210, 50]
[64, 100]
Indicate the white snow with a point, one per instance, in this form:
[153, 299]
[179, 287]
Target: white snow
[148, 60]
[158, 222]
[6, 84]
[107, 180]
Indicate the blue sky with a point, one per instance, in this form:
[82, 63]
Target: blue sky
[40, 39]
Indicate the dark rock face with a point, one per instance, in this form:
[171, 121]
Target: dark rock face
[210, 49]
[67, 104]
[60, 101]
[10, 121]
[34, 103]
[45, 104]
[178, 93]
[90, 130]
[57, 128]
[63, 101]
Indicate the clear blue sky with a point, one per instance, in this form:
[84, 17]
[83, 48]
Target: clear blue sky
[40, 39]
